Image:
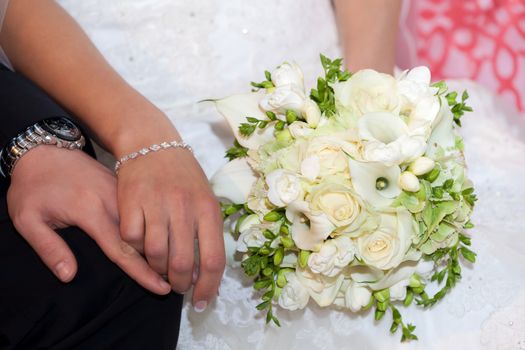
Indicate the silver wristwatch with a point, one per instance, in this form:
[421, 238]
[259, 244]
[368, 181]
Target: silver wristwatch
[58, 131]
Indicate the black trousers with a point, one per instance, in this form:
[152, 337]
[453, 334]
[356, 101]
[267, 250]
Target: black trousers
[102, 308]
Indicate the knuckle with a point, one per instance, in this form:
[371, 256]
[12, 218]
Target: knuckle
[154, 250]
[181, 265]
[209, 205]
[214, 263]
[23, 218]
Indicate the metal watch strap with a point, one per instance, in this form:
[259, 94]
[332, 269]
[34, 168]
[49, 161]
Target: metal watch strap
[32, 137]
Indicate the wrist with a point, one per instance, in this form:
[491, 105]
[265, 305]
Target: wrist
[141, 131]
[38, 160]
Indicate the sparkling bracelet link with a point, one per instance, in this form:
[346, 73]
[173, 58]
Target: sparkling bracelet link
[152, 148]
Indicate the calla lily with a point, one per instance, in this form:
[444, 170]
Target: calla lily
[443, 134]
[375, 182]
[234, 181]
[387, 139]
[308, 237]
[236, 108]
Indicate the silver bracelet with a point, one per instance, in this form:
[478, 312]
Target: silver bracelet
[152, 148]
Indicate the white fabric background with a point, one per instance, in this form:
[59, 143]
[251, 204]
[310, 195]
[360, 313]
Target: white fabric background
[178, 52]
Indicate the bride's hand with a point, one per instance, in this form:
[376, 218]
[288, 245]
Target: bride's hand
[165, 203]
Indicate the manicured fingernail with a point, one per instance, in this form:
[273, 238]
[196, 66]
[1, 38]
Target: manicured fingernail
[200, 306]
[63, 271]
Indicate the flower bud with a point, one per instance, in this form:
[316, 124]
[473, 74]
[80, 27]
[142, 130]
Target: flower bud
[311, 113]
[286, 74]
[421, 166]
[408, 182]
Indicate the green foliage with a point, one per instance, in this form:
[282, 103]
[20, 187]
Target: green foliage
[236, 151]
[265, 84]
[323, 95]
[458, 108]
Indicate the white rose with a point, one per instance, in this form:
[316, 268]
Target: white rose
[368, 91]
[283, 187]
[283, 98]
[308, 236]
[288, 74]
[388, 140]
[386, 247]
[322, 289]
[294, 295]
[340, 203]
[357, 296]
[326, 156]
[334, 255]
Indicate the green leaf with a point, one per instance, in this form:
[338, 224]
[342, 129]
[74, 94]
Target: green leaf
[468, 254]
[246, 129]
[263, 305]
[236, 151]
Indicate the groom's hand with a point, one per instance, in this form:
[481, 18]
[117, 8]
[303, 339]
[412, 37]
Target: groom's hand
[165, 204]
[55, 188]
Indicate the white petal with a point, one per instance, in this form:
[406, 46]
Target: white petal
[310, 167]
[419, 74]
[382, 126]
[308, 237]
[364, 177]
[234, 181]
[236, 108]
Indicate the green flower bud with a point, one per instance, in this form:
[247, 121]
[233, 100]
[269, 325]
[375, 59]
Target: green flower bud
[268, 271]
[273, 216]
[433, 175]
[382, 295]
[291, 116]
[303, 258]
[278, 256]
[287, 242]
[415, 281]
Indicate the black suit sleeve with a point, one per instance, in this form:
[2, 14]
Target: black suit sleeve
[23, 104]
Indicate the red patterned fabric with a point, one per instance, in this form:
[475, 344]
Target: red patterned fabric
[482, 40]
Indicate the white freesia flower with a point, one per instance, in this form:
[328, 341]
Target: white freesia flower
[387, 139]
[311, 113]
[299, 129]
[308, 237]
[409, 182]
[368, 91]
[235, 109]
[357, 296]
[283, 98]
[257, 199]
[288, 74]
[322, 289]
[340, 203]
[294, 295]
[386, 247]
[234, 181]
[283, 187]
[420, 99]
[399, 290]
[375, 182]
[334, 255]
[251, 235]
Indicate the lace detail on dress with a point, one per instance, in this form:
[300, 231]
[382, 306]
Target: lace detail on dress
[505, 329]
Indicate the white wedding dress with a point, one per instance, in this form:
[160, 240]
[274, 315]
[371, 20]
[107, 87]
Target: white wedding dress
[179, 52]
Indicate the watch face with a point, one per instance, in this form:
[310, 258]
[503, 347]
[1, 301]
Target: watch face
[62, 128]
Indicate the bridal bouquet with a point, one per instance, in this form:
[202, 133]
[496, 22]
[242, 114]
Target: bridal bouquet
[354, 195]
